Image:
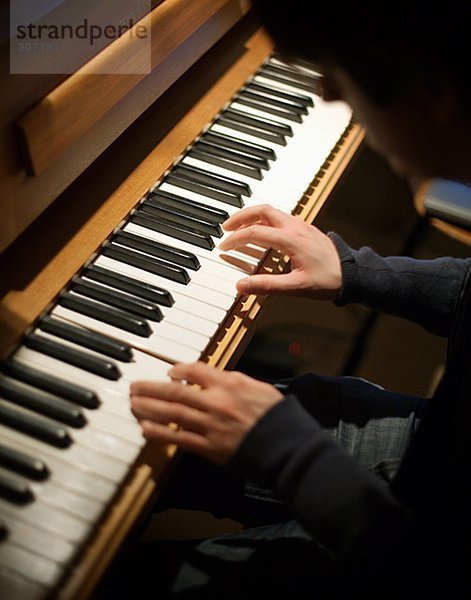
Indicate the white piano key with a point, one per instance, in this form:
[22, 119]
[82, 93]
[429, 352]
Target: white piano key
[315, 144]
[16, 587]
[298, 129]
[109, 444]
[73, 476]
[192, 306]
[262, 191]
[172, 315]
[316, 132]
[49, 492]
[214, 261]
[259, 77]
[246, 137]
[302, 67]
[38, 569]
[50, 518]
[240, 260]
[210, 260]
[39, 541]
[127, 429]
[110, 435]
[191, 290]
[274, 181]
[113, 394]
[186, 346]
[101, 464]
[183, 306]
[90, 436]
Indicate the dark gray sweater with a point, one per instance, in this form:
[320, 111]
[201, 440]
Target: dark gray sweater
[384, 537]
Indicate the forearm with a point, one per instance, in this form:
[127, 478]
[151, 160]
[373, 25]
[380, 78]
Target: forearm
[423, 291]
[337, 499]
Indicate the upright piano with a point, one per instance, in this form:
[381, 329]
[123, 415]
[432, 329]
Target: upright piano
[113, 189]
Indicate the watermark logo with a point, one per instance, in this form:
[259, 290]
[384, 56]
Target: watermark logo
[60, 36]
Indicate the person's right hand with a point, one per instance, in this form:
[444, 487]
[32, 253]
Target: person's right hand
[315, 264]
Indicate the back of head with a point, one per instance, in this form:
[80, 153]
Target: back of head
[383, 46]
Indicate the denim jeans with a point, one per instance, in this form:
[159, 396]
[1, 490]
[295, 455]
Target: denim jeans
[274, 556]
[271, 562]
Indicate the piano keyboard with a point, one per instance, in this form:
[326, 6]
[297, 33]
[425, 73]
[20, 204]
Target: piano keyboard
[156, 293]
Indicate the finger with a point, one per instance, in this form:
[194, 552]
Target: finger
[164, 412]
[173, 391]
[199, 373]
[253, 214]
[287, 283]
[261, 235]
[186, 440]
[151, 388]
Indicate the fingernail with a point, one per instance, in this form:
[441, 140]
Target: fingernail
[243, 283]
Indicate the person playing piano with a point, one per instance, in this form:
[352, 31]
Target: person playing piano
[369, 489]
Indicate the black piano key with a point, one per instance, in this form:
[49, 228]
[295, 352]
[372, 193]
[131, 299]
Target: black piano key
[106, 314]
[261, 134]
[208, 155]
[209, 213]
[192, 186]
[300, 109]
[157, 249]
[299, 69]
[93, 364]
[45, 430]
[210, 147]
[301, 62]
[249, 148]
[120, 300]
[297, 73]
[258, 123]
[182, 218]
[258, 104]
[15, 490]
[42, 403]
[300, 99]
[88, 339]
[202, 240]
[128, 284]
[225, 184]
[285, 77]
[152, 265]
[23, 464]
[45, 381]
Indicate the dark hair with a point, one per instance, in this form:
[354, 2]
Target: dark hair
[384, 46]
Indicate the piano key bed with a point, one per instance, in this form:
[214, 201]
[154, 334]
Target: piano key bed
[157, 292]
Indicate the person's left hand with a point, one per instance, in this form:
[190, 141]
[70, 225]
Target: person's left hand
[212, 417]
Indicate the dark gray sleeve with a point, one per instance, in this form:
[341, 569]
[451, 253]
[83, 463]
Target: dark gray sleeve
[343, 505]
[423, 291]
